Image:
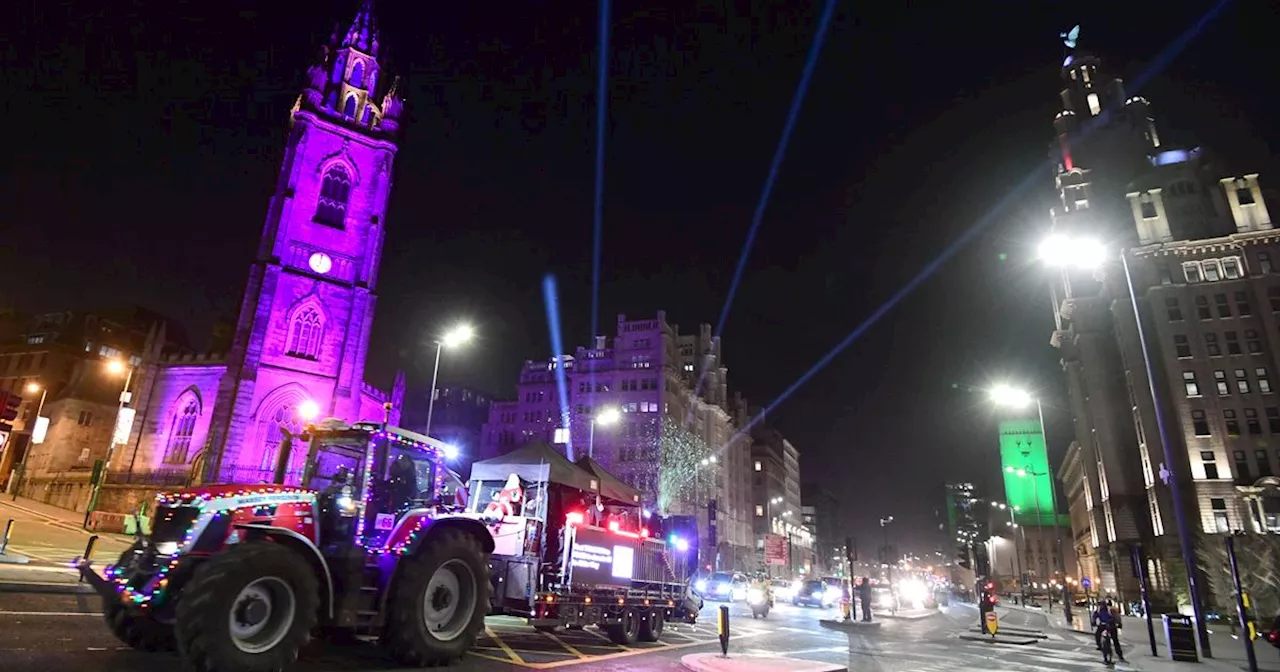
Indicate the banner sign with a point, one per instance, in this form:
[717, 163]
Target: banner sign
[599, 557]
[775, 549]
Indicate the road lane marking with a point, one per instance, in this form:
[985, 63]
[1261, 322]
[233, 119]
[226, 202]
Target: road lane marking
[505, 649]
[566, 646]
[49, 613]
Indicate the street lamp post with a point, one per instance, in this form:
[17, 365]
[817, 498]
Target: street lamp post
[22, 464]
[116, 367]
[454, 337]
[884, 526]
[606, 417]
[1017, 548]
[1063, 252]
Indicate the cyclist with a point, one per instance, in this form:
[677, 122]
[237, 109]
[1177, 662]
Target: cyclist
[1107, 624]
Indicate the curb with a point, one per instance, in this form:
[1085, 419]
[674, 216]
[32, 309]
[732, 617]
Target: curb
[13, 559]
[1015, 632]
[911, 617]
[712, 662]
[849, 626]
[998, 640]
[46, 588]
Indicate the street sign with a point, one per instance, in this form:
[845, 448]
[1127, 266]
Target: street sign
[775, 549]
[1086, 582]
[992, 623]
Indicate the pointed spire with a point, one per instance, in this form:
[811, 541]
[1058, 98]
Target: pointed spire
[363, 33]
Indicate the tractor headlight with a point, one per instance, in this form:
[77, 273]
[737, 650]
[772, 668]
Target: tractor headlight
[346, 503]
[167, 548]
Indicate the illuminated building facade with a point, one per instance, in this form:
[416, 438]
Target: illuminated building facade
[308, 306]
[1201, 247]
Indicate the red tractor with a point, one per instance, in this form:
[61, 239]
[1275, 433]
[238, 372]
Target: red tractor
[238, 577]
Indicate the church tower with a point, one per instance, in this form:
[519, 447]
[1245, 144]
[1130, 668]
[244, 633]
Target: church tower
[300, 343]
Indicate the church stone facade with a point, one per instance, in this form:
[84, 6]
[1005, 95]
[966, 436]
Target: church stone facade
[303, 332]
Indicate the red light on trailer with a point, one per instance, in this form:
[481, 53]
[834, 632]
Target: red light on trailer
[574, 518]
[644, 532]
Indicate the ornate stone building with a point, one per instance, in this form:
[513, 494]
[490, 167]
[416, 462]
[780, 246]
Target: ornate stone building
[300, 343]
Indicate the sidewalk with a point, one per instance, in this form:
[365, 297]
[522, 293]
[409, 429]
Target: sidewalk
[1228, 652]
[44, 541]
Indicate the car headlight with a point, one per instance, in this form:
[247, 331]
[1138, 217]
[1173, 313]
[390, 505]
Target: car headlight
[755, 595]
[167, 548]
[700, 585]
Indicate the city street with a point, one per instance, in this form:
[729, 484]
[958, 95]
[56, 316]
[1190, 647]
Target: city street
[56, 632]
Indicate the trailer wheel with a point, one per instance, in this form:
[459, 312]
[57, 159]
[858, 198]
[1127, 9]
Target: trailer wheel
[439, 601]
[628, 631]
[139, 630]
[651, 625]
[249, 608]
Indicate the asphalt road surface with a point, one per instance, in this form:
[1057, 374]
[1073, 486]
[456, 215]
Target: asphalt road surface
[42, 633]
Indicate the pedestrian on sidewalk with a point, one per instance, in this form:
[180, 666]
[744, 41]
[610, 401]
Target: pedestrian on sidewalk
[864, 595]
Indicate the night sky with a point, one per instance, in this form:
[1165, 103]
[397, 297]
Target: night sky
[143, 142]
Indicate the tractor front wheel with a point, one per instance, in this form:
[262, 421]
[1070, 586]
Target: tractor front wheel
[439, 601]
[248, 609]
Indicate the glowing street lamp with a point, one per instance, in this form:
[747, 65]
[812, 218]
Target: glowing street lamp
[114, 367]
[1064, 252]
[607, 416]
[308, 410]
[459, 335]
[32, 388]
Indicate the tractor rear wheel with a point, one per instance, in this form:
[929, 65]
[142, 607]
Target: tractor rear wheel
[439, 601]
[249, 608]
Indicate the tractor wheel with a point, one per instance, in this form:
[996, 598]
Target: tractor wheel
[651, 625]
[439, 601]
[249, 608]
[139, 630]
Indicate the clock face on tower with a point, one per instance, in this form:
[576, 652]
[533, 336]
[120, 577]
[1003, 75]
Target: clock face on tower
[320, 263]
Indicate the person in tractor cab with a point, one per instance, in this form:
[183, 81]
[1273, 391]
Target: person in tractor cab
[402, 483]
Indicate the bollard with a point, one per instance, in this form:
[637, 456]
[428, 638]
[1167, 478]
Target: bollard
[8, 530]
[723, 624]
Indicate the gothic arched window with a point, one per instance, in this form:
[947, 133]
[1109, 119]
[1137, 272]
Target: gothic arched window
[181, 426]
[284, 416]
[335, 189]
[304, 334]
[357, 74]
[349, 109]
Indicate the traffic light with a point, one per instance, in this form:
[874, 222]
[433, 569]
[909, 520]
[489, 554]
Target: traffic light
[989, 600]
[9, 409]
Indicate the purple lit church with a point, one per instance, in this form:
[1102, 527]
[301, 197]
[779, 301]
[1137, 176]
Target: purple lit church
[300, 343]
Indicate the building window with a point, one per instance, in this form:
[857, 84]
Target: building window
[1190, 269]
[1233, 342]
[1095, 107]
[759, 467]
[1242, 381]
[1273, 297]
[1189, 382]
[1211, 345]
[1182, 346]
[1157, 523]
[1220, 380]
[1243, 193]
[1264, 382]
[1264, 463]
[1211, 471]
[335, 190]
[1252, 342]
[1243, 306]
[181, 426]
[1233, 423]
[1224, 308]
[1220, 521]
[1175, 311]
[1202, 308]
[304, 335]
[1165, 278]
[1231, 268]
[1200, 423]
[1273, 419]
[1242, 465]
[1212, 272]
[85, 419]
[1264, 262]
[759, 510]
[349, 109]
[1251, 421]
[1149, 212]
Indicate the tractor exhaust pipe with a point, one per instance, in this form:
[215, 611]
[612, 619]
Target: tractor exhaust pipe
[282, 459]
